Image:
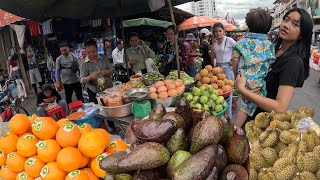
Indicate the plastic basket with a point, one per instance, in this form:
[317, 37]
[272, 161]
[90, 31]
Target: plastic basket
[223, 110]
[226, 94]
[94, 121]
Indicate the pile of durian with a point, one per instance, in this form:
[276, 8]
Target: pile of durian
[280, 150]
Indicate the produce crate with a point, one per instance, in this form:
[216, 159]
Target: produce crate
[94, 121]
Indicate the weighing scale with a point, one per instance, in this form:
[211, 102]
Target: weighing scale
[141, 106]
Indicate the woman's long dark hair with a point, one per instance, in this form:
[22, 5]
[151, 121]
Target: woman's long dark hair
[303, 45]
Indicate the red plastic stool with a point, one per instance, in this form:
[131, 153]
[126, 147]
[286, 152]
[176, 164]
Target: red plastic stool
[75, 105]
[57, 111]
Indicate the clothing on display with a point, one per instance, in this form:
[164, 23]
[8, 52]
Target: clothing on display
[20, 31]
[34, 28]
[47, 27]
[95, 23]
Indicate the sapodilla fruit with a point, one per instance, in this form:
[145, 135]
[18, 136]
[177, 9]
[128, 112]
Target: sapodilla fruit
[204, 72]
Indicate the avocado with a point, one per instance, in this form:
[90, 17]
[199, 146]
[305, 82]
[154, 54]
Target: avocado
[154, 130]
[184, 110]
[175, 117]
[158, 112]
[206, 132]
[110, 162]
[214, 174]
[222, 159]
[198, 116]
[150, 174]
[177, 142]
[175, 161]
[198, 166]
[123, 177]
[145, 156]
[237, 149]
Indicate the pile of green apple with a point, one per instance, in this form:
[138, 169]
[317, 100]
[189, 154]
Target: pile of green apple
[205, 98]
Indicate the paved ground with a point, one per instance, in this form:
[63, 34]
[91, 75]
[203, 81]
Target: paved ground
[309, 96]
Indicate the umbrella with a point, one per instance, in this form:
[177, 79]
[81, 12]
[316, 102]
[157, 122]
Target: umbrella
[41, 10]
[8, 18]
[229, 27]
[146, 22]
[197, 21]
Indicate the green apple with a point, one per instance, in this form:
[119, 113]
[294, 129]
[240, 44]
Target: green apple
[213, 105]
[210, 102]
[224, 104]
[220, 100]
[189, 97]
[215, 92]
[206, 107]
[213, 112]
[196, 91]
[195, 99]
[193, 104]
[206, 93]
[202, 88]
[213, 97]
[218, 108]
[209, 88]
[186, 94]
[199, 106]
[204, 99]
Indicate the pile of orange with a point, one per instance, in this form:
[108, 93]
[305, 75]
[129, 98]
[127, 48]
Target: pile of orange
[40, 147]
[214, 77]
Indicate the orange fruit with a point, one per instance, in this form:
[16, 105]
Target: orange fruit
[32, 118]
[48, 150]
[19, 124]
[33, 166]
[3, 158]
[23, 176]
[220, 91]
[68, 135]
[84, 161]
[15, 161]
[221, 76]
[77, 175]
[8, 142]
[205, 80]
[63, 122]
[84, 128]
[199, 83]
[7, 174]
[69, 159]
[208, 67]
[230, 82]
[116, 145]
[198, 77]
[96, 167]
[90, 173]
[104, 133]
[26, 145]
[44, 128]
[92, 144]
[220, 83]
[51, 171]
[215, 86]
[76, 115]
[226, 88]
[204, 73]
[216, 70]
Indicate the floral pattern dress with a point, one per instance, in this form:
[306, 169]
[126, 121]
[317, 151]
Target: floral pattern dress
[256, 55]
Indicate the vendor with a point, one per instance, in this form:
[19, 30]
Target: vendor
[49, 96]
[138, 53]
[95, 69]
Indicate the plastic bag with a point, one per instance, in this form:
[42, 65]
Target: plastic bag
[151, 66]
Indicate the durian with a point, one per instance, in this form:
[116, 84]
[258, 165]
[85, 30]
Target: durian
[308, 162]
[270, 155]
[281, 125]
[289, 136]
[262, 120]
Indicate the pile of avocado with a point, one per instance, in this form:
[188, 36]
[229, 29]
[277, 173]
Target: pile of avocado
[180, 145]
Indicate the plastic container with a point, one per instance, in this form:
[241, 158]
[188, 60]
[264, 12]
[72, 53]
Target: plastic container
[94, 121]
[222, 111]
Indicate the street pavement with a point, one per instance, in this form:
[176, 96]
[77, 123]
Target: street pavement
[308, 95]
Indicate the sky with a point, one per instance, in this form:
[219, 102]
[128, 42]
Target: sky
[237, 8]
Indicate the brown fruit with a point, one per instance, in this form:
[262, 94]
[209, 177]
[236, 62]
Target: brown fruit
[230, 82]
[205, 80]
[215, 86]
[220, 83]
[199, 83]
[213, 79]
[204, 73]
[198, 77]
[220, 91]
[208, 67]
[216, 70]
[226, 88]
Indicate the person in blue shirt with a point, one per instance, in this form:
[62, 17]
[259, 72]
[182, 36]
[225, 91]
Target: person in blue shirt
[254, 55]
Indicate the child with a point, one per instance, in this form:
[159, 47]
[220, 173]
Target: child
[254, 54]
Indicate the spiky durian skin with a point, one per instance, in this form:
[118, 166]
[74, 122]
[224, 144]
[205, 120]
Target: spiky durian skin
[253, 175]
[257, 162]
[281, 125]
[262, 120]
[270, 155]
[289, 136]
[305, 175]
[280, 146]
[287, 173]
[308, 162]
[271, 140]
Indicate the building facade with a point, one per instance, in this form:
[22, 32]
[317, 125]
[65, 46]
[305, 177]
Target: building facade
[204, 8]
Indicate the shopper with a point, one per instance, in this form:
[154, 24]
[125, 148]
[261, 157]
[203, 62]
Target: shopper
[222, 47]
[96, 68]
[291, 68]
[205, 48]
[118, 53]
[15, 72]
[168, 53]
[138, 53]
[67, 68]
[34, 73]
[254, 55]
[49, 97]
[191, 68]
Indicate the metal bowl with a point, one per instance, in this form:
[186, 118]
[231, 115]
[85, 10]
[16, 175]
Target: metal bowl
[138, 92]
[119, 111]
[149, 82]
[167, 102]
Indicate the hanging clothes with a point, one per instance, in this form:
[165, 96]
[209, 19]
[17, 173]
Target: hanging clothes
[95, 23]
[34, 28]
[47, 27]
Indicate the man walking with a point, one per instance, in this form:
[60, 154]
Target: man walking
[66, 73]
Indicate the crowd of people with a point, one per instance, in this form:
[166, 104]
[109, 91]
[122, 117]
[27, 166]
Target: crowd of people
[266, 73]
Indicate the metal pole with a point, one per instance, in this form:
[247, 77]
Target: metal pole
[176, 43]
[125, 51]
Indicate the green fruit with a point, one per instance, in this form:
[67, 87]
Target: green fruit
[203, 99]
[178, 158]
[202, 88]
[195, 98]
[218, 108]
[215, 92]
[214, 97]
[196, 91]
[220, 100]
[225, 104]
[177, 142]
[209, 88]
[206, 93]
[199, 106]
[189, 97]
[206, 107]
[186, 94]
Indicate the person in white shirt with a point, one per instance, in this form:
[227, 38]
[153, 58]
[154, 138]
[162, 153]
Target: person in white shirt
[117, 53]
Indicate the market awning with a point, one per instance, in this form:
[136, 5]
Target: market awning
[7, 18]
[41, 10]
[146, 22]
[197, 21]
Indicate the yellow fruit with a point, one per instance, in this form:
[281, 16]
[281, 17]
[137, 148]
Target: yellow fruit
[92, 144]
[198, 77]
[208, 67]
[204, 73]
